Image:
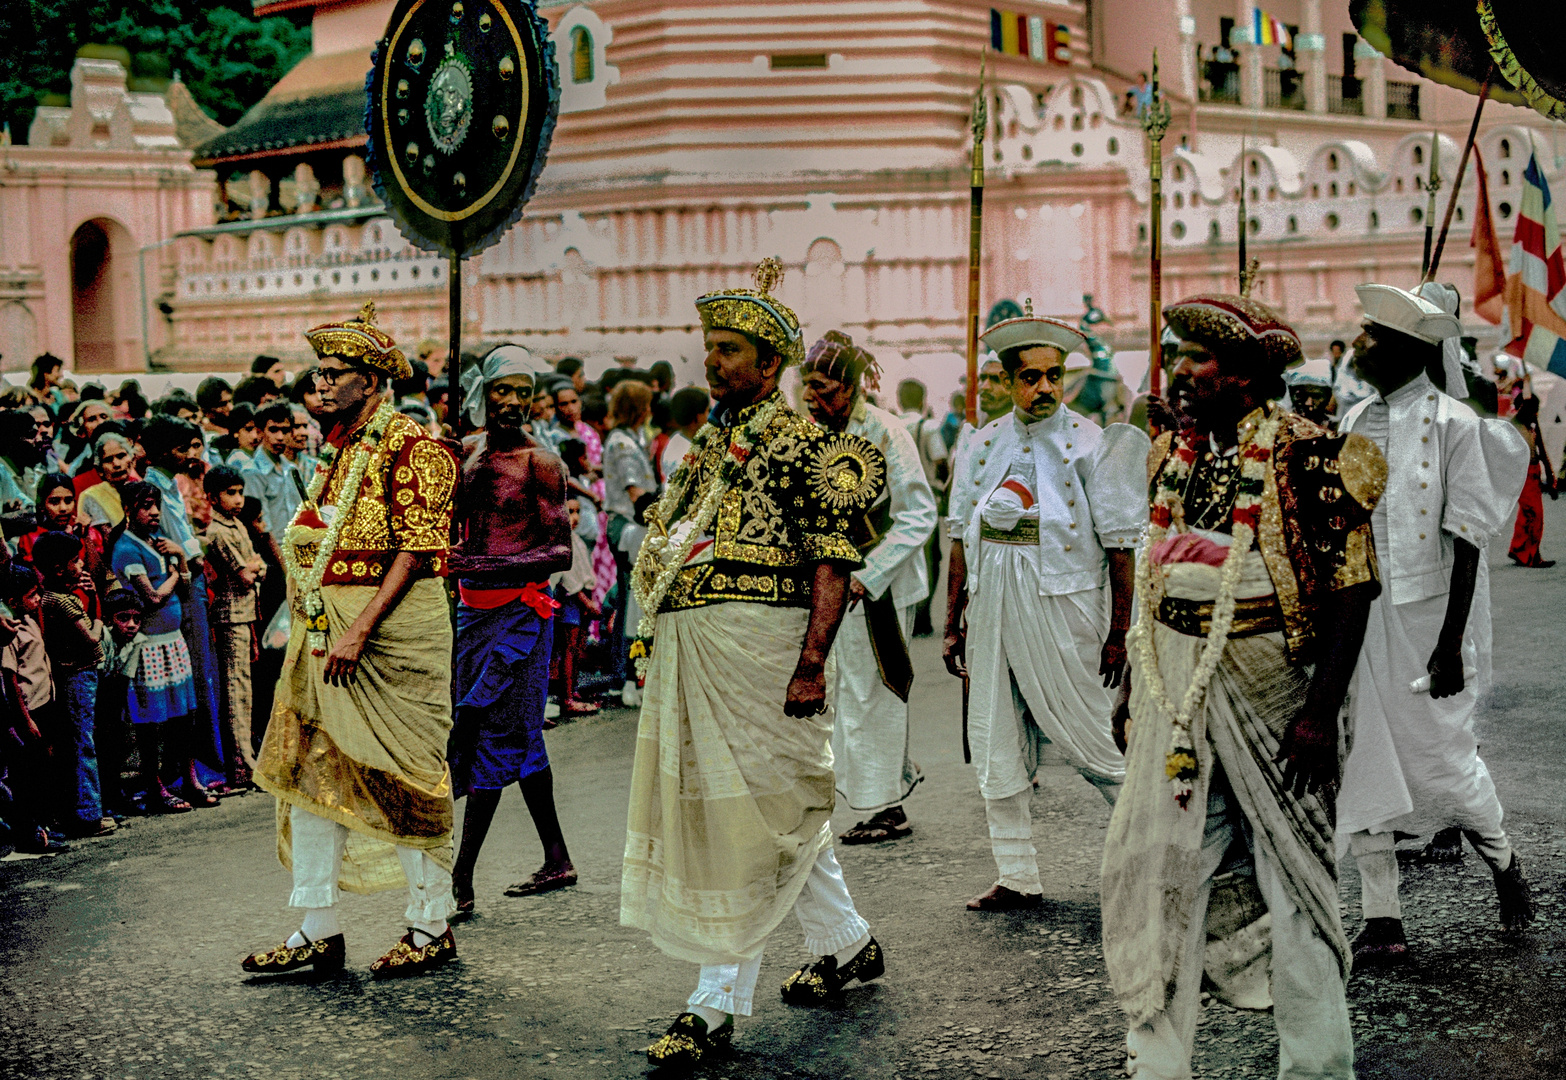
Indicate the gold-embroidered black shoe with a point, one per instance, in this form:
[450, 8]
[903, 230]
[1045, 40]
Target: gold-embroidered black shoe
[818, 983]
[406, 958]
[325, 955]
[687, 1043]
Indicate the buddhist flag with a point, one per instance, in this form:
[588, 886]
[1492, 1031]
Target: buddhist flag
[1489, 265]
[1266, 30]
[1017, 35]
[1536, 284]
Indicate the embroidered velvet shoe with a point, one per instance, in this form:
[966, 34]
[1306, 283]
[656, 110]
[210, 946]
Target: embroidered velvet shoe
[1381, 943]
[687, 1043]
[326, 954]
[406, 958]
[1517, 904]
[818, 983]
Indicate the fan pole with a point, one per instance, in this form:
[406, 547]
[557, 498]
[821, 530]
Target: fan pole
[1457, 181]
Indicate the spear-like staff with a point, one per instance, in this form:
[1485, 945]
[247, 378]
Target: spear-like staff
[1432, 185]
[978, 122]
[1155, 121]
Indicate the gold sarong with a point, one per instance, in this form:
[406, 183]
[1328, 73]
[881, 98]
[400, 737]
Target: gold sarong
[370, 755]
[731, 800]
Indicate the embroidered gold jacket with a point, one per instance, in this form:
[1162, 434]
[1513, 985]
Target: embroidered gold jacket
[800, 500]
[405, 505]
[1314, 533]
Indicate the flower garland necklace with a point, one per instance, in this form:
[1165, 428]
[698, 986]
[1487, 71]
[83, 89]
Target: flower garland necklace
[308, 581]
[663, 555]
[1255, 458]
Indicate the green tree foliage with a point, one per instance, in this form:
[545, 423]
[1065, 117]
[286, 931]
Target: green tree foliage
[225, 56]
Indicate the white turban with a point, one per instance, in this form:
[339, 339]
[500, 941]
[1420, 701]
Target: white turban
[503, 360]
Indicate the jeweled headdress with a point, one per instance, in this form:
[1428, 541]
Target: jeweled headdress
[756, 312]
[1223, 321]
[360, 340]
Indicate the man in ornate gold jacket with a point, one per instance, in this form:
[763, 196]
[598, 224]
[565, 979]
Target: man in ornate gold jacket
[1254, 586]
[355, 752]
[743, 580]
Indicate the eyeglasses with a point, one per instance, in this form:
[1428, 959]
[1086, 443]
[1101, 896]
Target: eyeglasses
[332, 376]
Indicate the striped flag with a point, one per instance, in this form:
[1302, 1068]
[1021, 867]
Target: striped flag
[1536, 285]
[1266, 30]
[1026, 35]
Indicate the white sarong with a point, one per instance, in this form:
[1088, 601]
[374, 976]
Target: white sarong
[1050, 648]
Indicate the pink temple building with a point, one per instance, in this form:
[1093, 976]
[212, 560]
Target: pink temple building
[697, 137]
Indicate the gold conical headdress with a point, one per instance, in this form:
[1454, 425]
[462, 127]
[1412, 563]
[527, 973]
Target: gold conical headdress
[756, 312]
[361, 341]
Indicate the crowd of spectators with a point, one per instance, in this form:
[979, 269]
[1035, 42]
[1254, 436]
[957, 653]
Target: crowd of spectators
[143, 600]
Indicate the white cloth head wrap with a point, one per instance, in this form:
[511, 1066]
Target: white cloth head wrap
[1445, 297]
[503, 360]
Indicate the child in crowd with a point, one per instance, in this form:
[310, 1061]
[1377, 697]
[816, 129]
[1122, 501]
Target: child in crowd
[122, 613]
[72, 628]
[234, 570]
[28, 690]
[575, 593]
[162, 691]
[57, 512]
[242, 439]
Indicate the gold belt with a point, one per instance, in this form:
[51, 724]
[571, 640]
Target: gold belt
[1194, 618]
[1026, 534]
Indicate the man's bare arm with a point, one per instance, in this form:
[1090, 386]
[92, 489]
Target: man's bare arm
[1309, 752]
[1446, 663]
[1122, 584]
[828, 601]
[343, 661]
[954, 643]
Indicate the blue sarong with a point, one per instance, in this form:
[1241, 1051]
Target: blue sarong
[502, 684]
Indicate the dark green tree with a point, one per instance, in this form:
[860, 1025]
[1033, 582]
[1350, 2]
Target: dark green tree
[225, 56]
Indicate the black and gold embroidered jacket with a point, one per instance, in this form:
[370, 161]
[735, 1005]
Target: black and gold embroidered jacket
[801, 500]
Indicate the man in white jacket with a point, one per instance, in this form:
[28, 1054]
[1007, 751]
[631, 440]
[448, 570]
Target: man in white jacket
[1046, 513]
[870, 695]
[1452, 483]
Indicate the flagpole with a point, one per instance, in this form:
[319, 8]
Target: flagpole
[1244, 222]
[1155, 121]
[1432, 185]
[978, 121]
[1457, 181]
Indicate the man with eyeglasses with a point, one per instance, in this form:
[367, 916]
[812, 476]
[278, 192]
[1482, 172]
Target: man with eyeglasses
[356, 747]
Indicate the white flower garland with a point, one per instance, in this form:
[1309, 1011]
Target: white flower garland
[308, 581]
[663, 554]
[1255, 457]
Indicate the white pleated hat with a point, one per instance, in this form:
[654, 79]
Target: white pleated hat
[1387, 305]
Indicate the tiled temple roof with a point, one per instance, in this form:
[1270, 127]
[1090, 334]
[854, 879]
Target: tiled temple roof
[319, 103]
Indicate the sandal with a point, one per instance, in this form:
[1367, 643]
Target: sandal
[887, 825]
[463, 898]
[581, 708]
[200, 798]
[546, 879]
[167, 803]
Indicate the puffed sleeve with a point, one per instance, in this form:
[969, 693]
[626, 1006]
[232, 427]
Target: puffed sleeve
[1486, 465]
[423, 481]
[1116, 486]
[959, 506]
[843, 476]
[913, 513]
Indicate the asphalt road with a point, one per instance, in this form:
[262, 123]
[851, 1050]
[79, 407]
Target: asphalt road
[119, 959]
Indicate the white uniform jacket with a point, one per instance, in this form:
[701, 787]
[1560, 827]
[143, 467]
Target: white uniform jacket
[1091, 486]
[1450, 474]
[897, 562]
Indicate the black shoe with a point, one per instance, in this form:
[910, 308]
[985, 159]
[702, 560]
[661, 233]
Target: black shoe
[1517, 904]
[688, 1042]
[1381, 943]
[818, 983]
